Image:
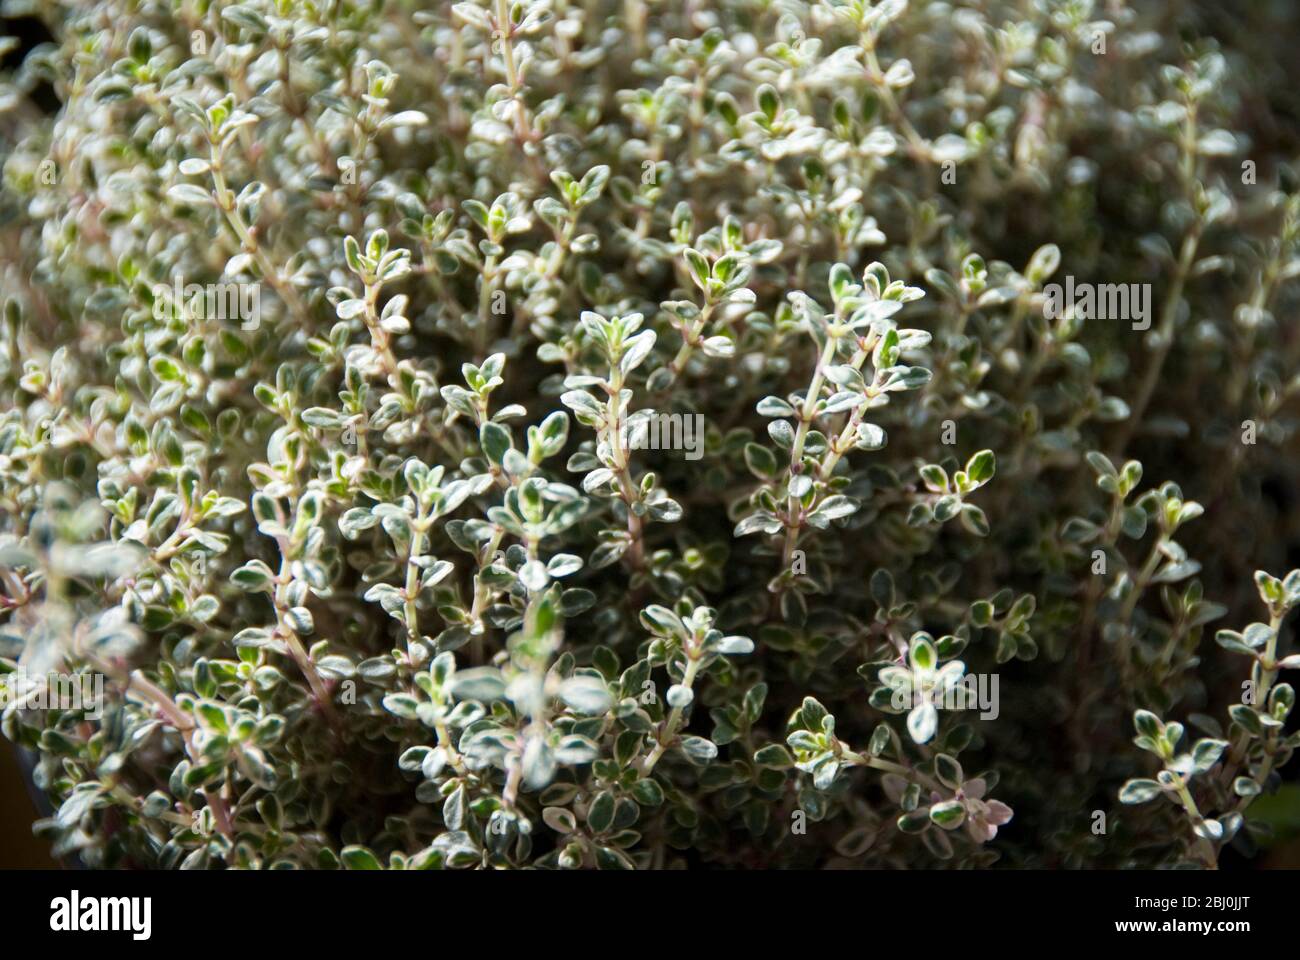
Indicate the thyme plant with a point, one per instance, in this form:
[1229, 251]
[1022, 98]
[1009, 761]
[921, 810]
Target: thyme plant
[567, 434]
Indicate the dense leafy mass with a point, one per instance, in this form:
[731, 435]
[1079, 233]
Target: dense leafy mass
[635, 422]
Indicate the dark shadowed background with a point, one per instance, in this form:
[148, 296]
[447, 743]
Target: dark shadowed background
[18, 848]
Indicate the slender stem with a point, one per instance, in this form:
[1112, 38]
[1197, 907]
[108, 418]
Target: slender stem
[505, 31]
[1241, 742]
[920, 150]
[1095, 585]
[1169, 315]
[690, 340]
[1140, 584]
[888, 766]
[296, 649]
[486, 291]
[412, 591]
[483, 594]
[842, 443]
[793, 519]
[1165, 337]
[453, 755]
[379, 339]
[185, 724]
[1203, 847]
[627, 488]
[248, 243]
[669, 730]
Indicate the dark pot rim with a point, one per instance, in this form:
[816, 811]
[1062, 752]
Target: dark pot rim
[27, 761]
[41, 805]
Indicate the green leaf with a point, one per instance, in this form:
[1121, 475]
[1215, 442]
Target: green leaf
[922, 653]
[699, 267]
[760, 461]
[981, 466]
[1148, 724]
[699, 750]
[948, 771]
[600, 815]
[774, 755]
[478, 683]
[648, 793]
[495, 441]
[586, 694]
[949, 815]
[1139, 791]
[1206, 753]
[359, 858]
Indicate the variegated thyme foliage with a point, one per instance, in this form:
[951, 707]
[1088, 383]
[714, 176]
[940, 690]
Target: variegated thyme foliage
[587, 434]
